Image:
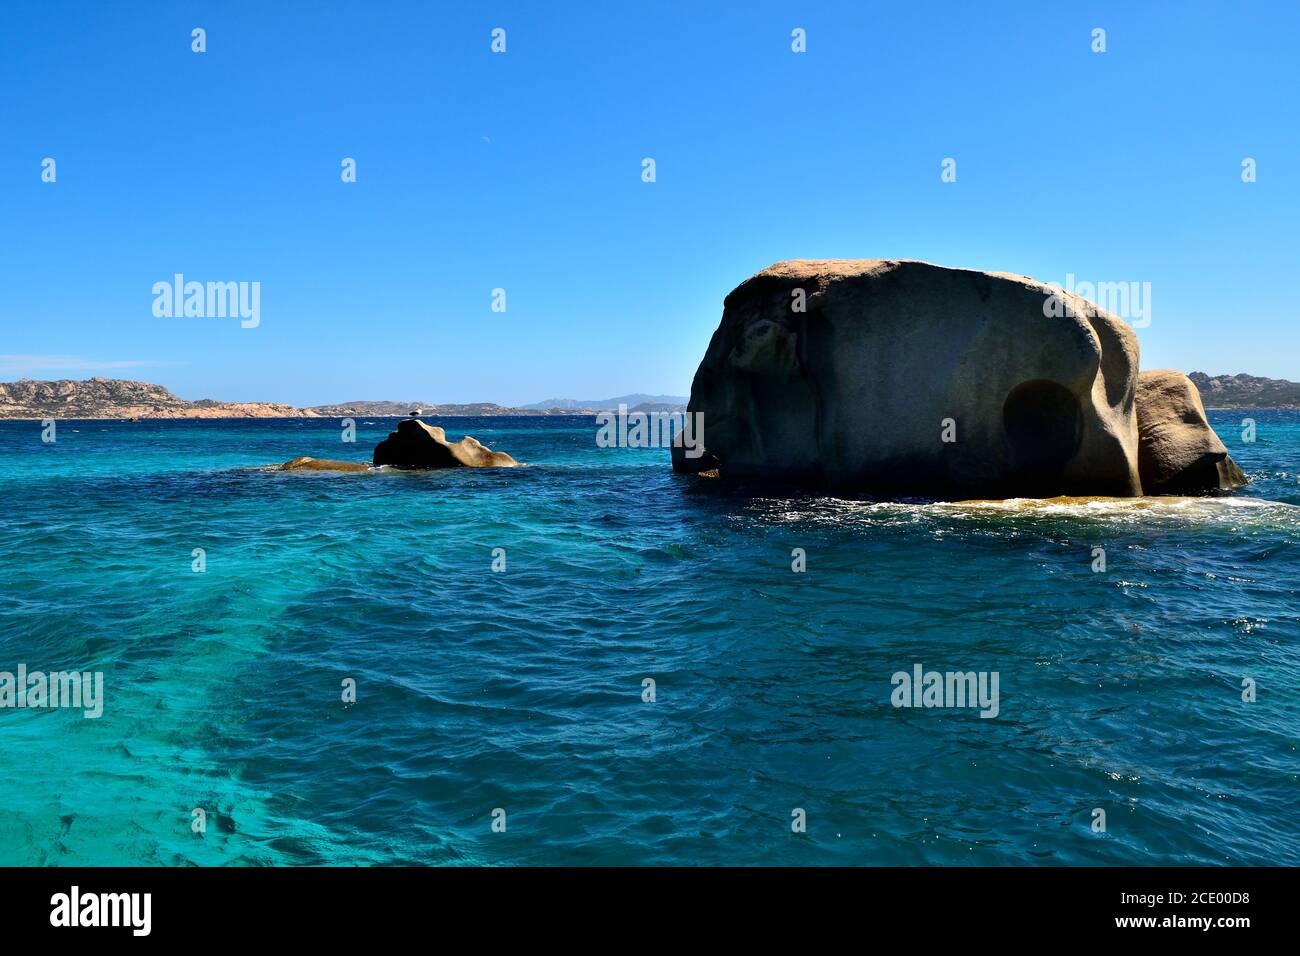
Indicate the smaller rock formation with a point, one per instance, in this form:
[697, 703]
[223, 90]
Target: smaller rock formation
[1178, 451]
[417, 445]
[322, 464]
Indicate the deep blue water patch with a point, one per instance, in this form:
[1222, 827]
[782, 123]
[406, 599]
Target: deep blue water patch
[522, 690]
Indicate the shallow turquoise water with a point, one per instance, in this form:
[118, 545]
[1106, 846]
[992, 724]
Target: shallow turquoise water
[522, 690]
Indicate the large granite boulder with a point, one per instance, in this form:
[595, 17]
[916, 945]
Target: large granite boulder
[1178, 451]
[417, 445]
[905, 378]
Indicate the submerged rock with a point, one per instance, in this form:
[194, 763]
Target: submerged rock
[1178, 451]
[322, 464]
[900, 377]
[417, 445]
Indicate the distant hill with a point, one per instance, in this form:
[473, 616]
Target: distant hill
[120, 398]
[611, 404]
[1246, 391]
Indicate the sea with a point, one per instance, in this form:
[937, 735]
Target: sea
[591, 660]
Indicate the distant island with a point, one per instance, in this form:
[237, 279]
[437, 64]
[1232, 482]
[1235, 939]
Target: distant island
[555, 406]
[122, 398]
[1246, 391]
[118, 398]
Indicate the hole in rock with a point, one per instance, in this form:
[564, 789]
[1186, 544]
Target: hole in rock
[1044, 425]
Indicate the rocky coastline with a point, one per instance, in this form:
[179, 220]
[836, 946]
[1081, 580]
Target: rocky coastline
[112, 399]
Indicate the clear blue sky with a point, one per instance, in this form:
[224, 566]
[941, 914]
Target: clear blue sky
[523, 171]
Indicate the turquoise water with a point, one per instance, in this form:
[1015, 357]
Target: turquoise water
[522, 689]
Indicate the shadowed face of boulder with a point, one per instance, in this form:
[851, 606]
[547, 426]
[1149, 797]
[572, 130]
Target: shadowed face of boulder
[1179, 453]
[417, 445]
[900, 377]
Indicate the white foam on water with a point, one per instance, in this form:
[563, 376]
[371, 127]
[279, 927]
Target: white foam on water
[1189, 510]
[1230, 511]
